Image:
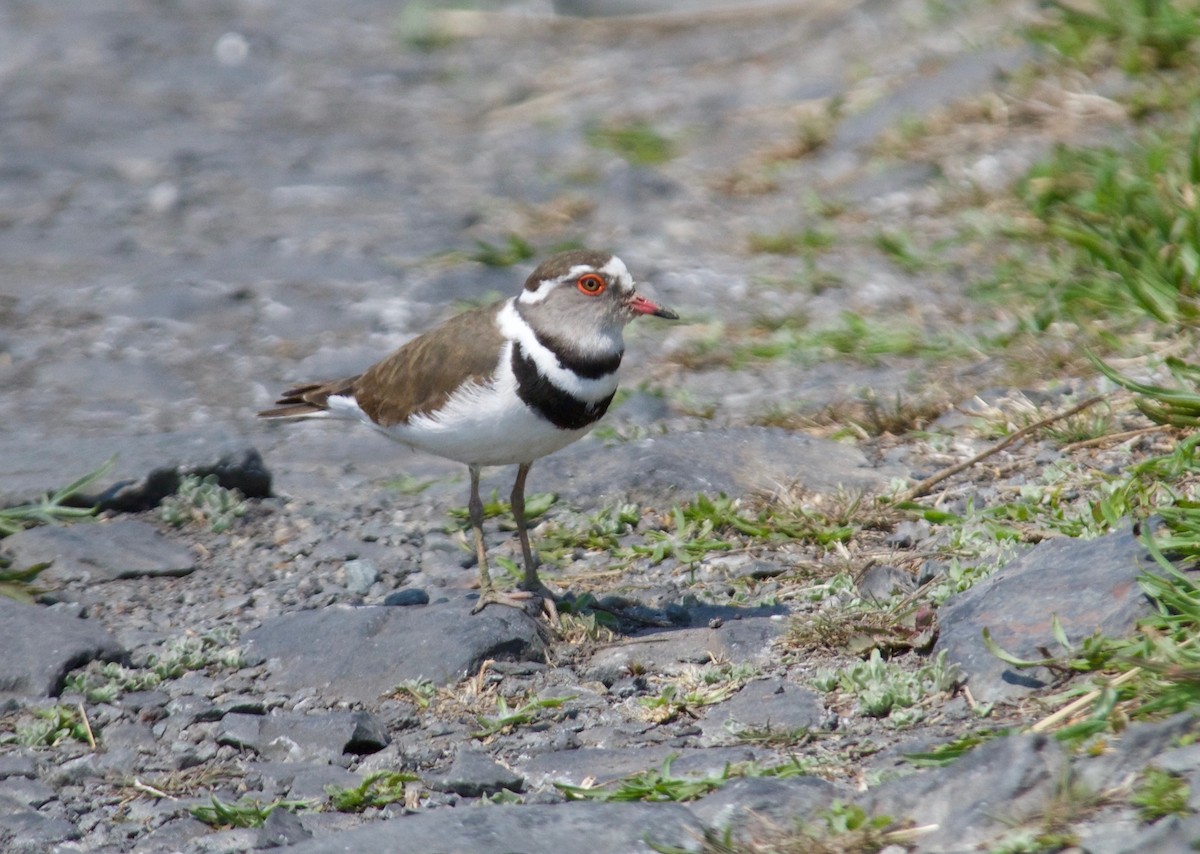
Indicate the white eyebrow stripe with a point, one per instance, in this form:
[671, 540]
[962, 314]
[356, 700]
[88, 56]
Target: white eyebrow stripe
[615, 269]
[545, 286]
[513, 327]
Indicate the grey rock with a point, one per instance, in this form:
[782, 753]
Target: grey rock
[27, 792]
[1140, 744]
[42, 647]
[361, 653]
[25, 831]
[282, 828]
[147, 468]
[1089, 585]
[16, 764]
[88, 553]
[300, 780]
[605, 828]
[1129, 835]
[176, 834]
[739, 641]
[759, 802]
[409, 596]
[731, 461]
[977, 797]
[881, 582]
[473, 774]
[765, 704]
[604, 765]
[907, 534]
[360, 575]
[297, 737]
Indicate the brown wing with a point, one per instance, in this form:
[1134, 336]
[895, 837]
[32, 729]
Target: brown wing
[421, 375]
[308, 399]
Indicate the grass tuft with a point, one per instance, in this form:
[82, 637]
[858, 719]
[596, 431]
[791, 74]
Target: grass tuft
[637, 142]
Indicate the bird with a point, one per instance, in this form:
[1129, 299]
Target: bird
[498, 385]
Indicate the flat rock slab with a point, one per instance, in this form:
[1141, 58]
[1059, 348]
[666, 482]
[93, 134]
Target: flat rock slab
[996, 786]
[759, 803]
[101, 551]
[296, 737]
[41, 646]
[600, 828]
[147, 468]
[773, 705]
[666, 650]
[473, 774]
[607, 764]
[732, 461]
[361, 653]
[1089, 585]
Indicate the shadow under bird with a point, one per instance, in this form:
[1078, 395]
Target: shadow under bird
[504, 384]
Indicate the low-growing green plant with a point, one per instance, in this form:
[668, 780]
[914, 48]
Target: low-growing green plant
[507, 719]
[19, 584]
[696, 687]
[1178, 406]
[418, 691]
[203, 501]
[1128, 225]
[103, 682]
[53, 506]
[600, 531]
[951, 751]
[376, 790]
[768, 735]
[1139, 35]
[1160, 794]
[655, 786]
[50, 727]
[246, 812]
[885, 689]
[580, 620]
[216, 650]
[900, 248]
[535, 505]
[636, 141]
[515, 250]
[808, 241]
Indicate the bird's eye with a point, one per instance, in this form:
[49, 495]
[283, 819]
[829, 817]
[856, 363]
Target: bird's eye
[591, 284]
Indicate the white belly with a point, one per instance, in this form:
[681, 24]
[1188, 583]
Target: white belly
[514, 435]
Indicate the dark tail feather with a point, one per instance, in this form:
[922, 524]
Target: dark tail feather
[310, 399]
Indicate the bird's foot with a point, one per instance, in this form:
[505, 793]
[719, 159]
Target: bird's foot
[540, 599]
[516, 599]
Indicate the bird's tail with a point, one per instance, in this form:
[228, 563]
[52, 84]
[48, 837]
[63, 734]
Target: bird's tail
[309, 400]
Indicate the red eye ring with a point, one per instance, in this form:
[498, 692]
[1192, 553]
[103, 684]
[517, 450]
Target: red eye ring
[591, 284]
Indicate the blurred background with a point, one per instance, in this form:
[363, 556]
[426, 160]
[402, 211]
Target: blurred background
[203, 201]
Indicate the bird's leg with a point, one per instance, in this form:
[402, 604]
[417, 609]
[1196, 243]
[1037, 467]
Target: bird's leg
[487, 591]
[531, 582]
[475, 509]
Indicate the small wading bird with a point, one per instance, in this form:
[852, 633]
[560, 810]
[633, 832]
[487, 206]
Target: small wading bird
[499, 385]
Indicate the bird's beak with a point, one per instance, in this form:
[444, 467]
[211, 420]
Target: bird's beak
[638, 304]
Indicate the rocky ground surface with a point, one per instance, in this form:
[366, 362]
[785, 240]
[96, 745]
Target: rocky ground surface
[202, 202]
